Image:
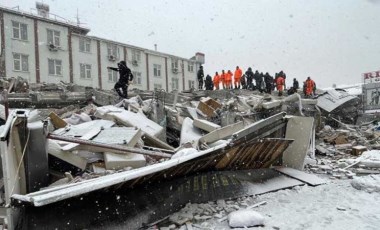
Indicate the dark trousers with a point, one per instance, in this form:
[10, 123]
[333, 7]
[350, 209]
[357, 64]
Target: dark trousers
[124, 89]
[200, 84]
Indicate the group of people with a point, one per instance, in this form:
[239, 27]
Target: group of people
[252, 81]
[227, 80]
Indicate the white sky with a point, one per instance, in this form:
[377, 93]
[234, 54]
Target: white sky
[331, 41]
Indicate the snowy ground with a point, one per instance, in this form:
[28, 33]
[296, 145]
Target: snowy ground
[335, 205]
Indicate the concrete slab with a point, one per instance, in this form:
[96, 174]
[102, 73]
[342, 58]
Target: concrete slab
[119, 135]
[115, 161]
[310, 179]
[222, 133]
[189, 133]
[205, 125]
[55, 149]
[301, 130]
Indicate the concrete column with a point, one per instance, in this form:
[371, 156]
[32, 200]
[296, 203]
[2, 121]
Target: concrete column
[37, 51]
[99, 65]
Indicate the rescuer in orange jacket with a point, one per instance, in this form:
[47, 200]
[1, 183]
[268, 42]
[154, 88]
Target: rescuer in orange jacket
[237, 76]
[310, 84]
[280, 82]
[223, 79]
[216, 81]
[229, 75]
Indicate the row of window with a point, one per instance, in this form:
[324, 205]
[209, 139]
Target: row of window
[21, 63]
[20, 31]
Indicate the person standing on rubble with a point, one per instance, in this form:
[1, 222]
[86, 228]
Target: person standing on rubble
[223, 79]
[280, 83]
[208, 83]
[237, 77]
[295, 84]
[125, 77]
[257, 78]
[309, 87]
[228, 79]
[243, 82]
[268, 79]
[200, 76]
[249, 74]
[216, 81]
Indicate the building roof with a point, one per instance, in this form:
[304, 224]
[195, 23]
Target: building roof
[55, 19]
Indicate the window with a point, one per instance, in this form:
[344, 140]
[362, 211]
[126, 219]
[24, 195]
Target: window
[137, 80]
[84, 45]
[55, 67]
[174, 64]
[175, 84]
[112, 75]
[20, 30]
[136, 55]
[53, 37]
[156, 70]
[191, 84]
[20, 62]
[112, 50]
[157, 86]
[85, 71]
[190, 67]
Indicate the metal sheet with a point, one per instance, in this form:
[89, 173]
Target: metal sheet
[332, 99]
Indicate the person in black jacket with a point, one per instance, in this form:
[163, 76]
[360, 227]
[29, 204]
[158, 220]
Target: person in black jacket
[295, 84]
[124, 78]
[249, 75]
[243, 82]
[200, 76]
[208, 83]
[268, 79]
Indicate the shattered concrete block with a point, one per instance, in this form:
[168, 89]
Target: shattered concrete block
[119, 161]
[205, 109]
[125, 136]
[358, 150]
[205, 125]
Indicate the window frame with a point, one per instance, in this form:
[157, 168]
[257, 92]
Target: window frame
[20, 30]
[137, 79]
[85, 41]
[54, 36]
[136, 55]
[157, 70]
[175, 80]
[56, 67]
[21, 60]
[87, 71]
[112, 76]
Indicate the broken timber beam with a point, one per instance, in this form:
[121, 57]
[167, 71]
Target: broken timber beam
[108, 147]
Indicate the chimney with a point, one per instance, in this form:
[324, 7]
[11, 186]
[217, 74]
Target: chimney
[42, 9]
[200, 58]
[155, 47]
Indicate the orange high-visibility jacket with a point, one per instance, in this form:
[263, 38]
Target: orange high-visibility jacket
[237, 75]
[223, 77]
[228, 76]
[216, 79]
[280, 83]
[309, 86]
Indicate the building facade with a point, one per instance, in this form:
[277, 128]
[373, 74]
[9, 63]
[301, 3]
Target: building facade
[43, 48]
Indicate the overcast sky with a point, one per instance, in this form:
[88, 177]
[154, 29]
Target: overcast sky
[331, 41]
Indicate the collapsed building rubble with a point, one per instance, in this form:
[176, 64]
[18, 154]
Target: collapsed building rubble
[156, 136]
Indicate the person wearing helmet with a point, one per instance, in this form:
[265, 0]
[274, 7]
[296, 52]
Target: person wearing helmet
[125, 76]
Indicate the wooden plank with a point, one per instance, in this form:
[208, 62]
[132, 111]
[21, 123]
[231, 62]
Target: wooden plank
[302, 176]
[57, 121]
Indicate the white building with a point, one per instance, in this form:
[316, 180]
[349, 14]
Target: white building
[42, 47]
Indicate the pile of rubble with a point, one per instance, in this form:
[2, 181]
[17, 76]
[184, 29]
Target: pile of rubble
[343, 152]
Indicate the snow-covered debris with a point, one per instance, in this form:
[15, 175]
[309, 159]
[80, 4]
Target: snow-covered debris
[76, 119]
[245, 218]
[369, 183]
[184, 152]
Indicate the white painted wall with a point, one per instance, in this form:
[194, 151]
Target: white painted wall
[155, 59]
[140, 67]
[45, 54]
[19, 46]
[85, 58]
[106, 83]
